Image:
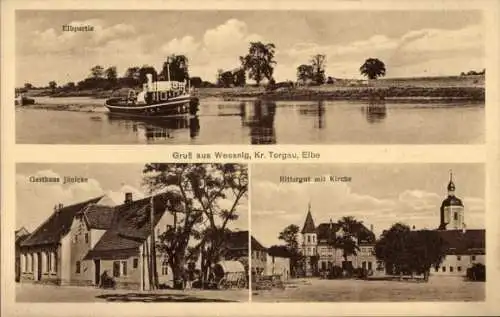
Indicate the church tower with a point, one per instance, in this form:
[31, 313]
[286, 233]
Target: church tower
[452, 210]
[309, 241]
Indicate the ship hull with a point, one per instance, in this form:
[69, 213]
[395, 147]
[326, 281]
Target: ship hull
[173, 107]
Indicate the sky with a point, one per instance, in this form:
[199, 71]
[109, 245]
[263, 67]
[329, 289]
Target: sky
[378, 195]
[410, 43]
[35, 201]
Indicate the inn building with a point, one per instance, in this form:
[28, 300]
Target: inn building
[77, 243]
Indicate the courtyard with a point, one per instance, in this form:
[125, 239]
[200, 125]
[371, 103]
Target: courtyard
[350, 290]
[51, 293]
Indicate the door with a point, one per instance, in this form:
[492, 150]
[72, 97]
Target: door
[97, 266]
[38, 266]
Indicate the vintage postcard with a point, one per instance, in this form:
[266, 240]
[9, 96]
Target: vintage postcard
[248, 77]
[369, 233]
[115, 230]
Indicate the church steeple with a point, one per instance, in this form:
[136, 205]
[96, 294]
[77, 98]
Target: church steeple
[309, 226]
[451, 185]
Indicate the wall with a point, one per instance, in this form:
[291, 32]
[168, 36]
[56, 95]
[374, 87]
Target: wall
[452, 263]
[129, 276]
[44, 256]
[278, 266]
[80, 246]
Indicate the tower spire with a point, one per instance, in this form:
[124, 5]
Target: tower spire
[451, 185]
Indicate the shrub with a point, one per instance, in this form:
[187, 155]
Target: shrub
[477, 272]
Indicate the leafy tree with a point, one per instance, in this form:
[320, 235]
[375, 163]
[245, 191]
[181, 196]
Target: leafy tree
[226, 79]
[372, 68]
[28, 86]
[199, 214]
[111, 74]
[239, 78]
[304, 73]
[97, 72]
[330, 80]
[259, 61]
[318, 63]
[290, 236]
[52, 85]
[70, 85]
[196, 82]
[143, 71]
[178, 66]
[406, 251]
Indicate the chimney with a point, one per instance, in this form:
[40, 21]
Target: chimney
[371, 227]
[61, 206]
[128, 198]
[331, 224]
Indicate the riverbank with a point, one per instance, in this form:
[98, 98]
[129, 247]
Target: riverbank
[401, 90]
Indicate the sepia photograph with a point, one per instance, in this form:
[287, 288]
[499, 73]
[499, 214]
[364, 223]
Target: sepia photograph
[368, 232]
[249, 77]
[155, 232]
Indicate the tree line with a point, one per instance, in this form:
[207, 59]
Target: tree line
[258, 64]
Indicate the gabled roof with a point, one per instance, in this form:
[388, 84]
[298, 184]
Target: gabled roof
[309, 226]
[238, 240]
[468, 242]
[131, 227]
[57, 225]
[99, 217]
[279, 251]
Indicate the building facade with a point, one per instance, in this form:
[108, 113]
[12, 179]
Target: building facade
[319, 251]
[464, 247]
[78, 243]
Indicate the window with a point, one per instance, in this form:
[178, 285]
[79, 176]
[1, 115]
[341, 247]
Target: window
[76, 238]
[459, 268]
[308, 239]
[444, 269]
[54, 262]
[451, 269]
[473, 258]
[369, 265]
[164, 268]
[314, 239]
[48, 262]
[78, 267]
[86, 238]
[116, 269]
[459, 257]
[436, 269]
[136, 263]
[24, 259]
[32, 263]
[455, 216]
[124, 268]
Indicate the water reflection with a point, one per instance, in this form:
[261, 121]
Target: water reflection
[375, 112]
[258, 115]
[157, 129]
[315, 110]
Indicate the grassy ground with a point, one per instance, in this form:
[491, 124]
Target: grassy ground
[51, 293]
[316, 290]
[420, 89]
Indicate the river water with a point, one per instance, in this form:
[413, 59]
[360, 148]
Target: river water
[263, 122]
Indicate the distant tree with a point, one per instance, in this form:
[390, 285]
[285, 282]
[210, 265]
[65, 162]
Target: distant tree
[196, 82]
[259, 61]
[52, 85]
[239, 79]
[372, 68]
[132, 72]
[318, 63]
[304, 73]
[226, 79]
[97, 72]
[70, 85]
[28, 86]
[290, 236]
[143, 71]
[330, 80]
[177, 66]
[111, 74]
